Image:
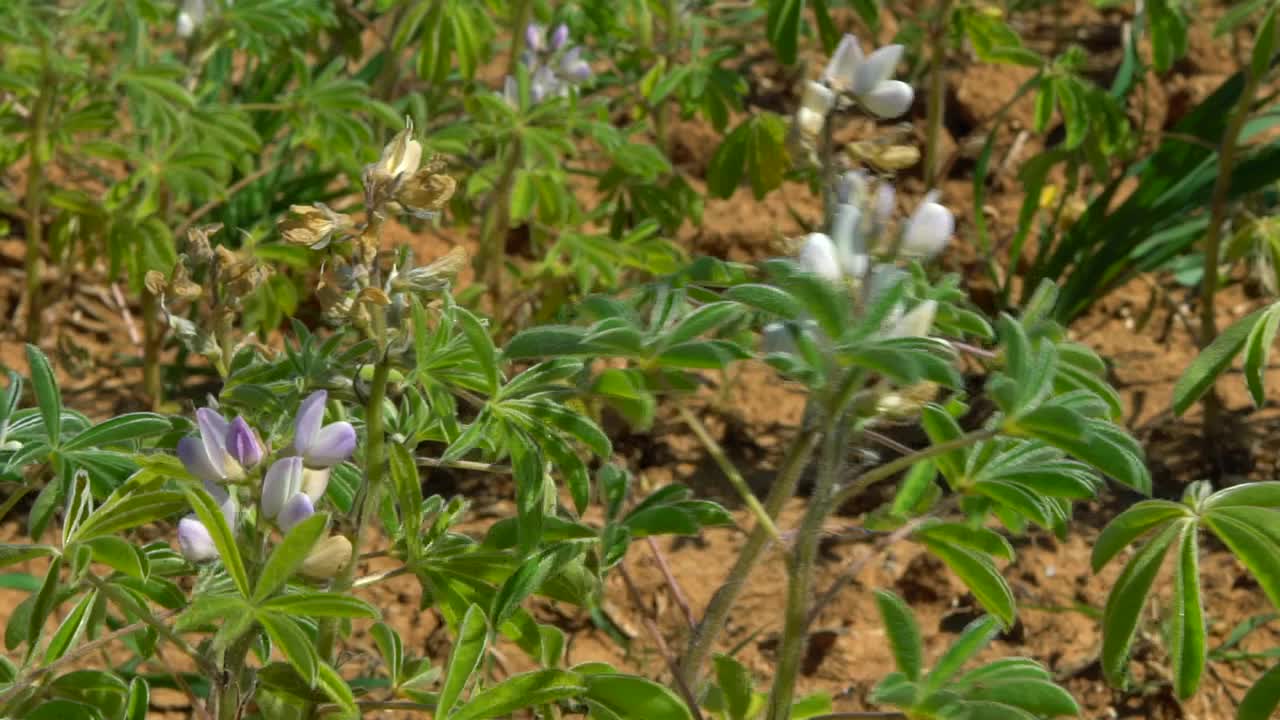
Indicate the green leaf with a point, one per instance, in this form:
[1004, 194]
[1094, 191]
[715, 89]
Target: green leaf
[783, 28]
[321, 604]
[288, 555]
[1212, 361]
[121, 429]
[211, 516]
[766, 298]
[293, 641]
[979, 539]
[1132, 524]
[337, 689]
[72, 628]
[529, 577]
[1258, 348]
[1127, 597]
[735, 682]
[980, 575]
[904, 634]
[45, 385]
[1041, 697]
[481, 345]
[11, 554]
[61, 709]
[139, 700]
[525, 690]
[130, 509]
[1251, 545]
[634, 698]
[120, 555]
[42, 603]
[468, 650]
[1264, 45]
[976, 636]
[1257, 494]
[1188, 638]
[1263, 698]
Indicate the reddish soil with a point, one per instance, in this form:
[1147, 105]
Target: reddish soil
[1142, 329]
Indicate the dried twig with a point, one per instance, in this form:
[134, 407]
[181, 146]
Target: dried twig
[681, 599]
[685, 691]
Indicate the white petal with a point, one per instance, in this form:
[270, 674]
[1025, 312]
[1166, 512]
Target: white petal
[843, 64]
[916, 323]
[411, 159]
[928, 230]
[283, 481]
[818, 97]
[818, 256]
[315, 482]
[877, 68]
[308, 421]
[889, 99]
[844, 229]
[809, 122]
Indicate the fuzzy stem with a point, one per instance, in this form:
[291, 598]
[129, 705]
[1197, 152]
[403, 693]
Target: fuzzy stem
[1213, 240]
[497, 222]
[34, 200]
[936, 106]
[800, 582]
[889, 469]
[717, 612]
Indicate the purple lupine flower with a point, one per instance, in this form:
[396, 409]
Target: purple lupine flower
[559, 37]
[195, 541]
[543, 84]
[298, 508]
[533, 34]
[282, 482]
[243, 444]
[573, 67]
[321, 446]
[223, 449]
[314, 482]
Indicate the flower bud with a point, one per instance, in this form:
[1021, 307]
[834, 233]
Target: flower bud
[329, 557]
[243, 444]
[195, 542]
[928, 229]
[191, 17]
[559, 37]
[283, 481]
[818, 256]
[916, 323]
[889, 99]
[809, 123]
[533, 37]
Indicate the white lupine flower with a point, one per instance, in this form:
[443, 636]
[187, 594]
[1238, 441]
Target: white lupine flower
[195, 541]
[851, 251]
[809, 122]
[928, 229]
[191, 17]
[916, 323]
[282, 482]
[867, 78]
[818, 256]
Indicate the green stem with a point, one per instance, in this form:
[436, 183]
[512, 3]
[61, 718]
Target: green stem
[34, 200]
[375, 465]
[889, 469]
[717, 612]
[763, 519]
[800, 582]
[1213, 240]
[662, 113]
[936, 106]
[496, 224]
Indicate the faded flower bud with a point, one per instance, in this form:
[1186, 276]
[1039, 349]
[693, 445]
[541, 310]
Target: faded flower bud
[313, 226]
[329, 557]
[155, 282]
[199, 248]
[195, 541]
[240, 276]
[434, 277]
[889, 158]
[427, 191]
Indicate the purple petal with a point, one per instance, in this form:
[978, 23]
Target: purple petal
[559, 37]
[334, 443]
[533, 37]
[315, 482]
[213, 433]
[309, 419]
[196, 460]
[283, 481]
[243, 444]
[297, 509]
[195, 541]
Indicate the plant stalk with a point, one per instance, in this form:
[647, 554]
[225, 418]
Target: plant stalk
[34, 200]
[936, 107]
[497, 222]
[1211, 402]
[152, 341]
[763, 518]
[717, 612]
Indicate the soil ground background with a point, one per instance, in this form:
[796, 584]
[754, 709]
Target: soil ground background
[1148, 346]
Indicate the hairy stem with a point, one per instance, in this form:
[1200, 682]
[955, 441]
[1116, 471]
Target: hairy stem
[889, 469]
[1212, 403]
[497, 222]
[717, 612]
[936, 106]
[800, 582]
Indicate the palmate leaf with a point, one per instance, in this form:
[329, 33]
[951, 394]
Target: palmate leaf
[468, 651]
[1216, 358]
[1188, 639]
[904, 634]
[979, 574]
[530, 689]
[1262, 700]
[1251, 534]
[734, 680]
[1131, 524]
[783, 28]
